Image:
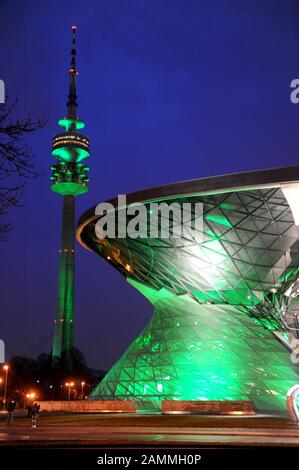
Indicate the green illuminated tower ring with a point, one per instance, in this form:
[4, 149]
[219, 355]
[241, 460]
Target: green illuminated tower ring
[69, 179]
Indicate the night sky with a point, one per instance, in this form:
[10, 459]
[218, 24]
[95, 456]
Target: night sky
[170, 90]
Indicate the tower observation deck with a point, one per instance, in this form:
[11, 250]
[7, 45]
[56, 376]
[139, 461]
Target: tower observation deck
[69, 178]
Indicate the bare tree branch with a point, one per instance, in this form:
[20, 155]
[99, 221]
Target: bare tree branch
[16, 160]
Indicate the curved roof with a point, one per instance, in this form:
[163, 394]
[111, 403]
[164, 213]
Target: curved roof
[200, 186]
[249, 251]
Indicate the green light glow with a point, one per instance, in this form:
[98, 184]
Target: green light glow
[288, 273]
[64, 324]
[69, 189]
[199, 352]
[218, 219]
[217, 303]
[67, 123]
[68, 148]
[227, 207]
[70, 154]
[233, 297]
[270, 325]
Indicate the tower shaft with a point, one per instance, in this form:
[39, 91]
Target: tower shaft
[64, 322]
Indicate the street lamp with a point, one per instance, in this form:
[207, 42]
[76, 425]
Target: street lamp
[31, 396]
[69, 385]
[5, 367]
[82, 389]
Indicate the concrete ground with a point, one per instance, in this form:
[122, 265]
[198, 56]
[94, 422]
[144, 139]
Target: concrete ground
[113, 430]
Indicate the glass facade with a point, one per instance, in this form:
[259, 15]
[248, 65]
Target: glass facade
[216, 302]
[201, 352]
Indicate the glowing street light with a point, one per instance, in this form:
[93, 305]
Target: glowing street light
[31, 395]
[68, 393]
[30, 398]
[5, 367]
[69, 385]
[82, 389]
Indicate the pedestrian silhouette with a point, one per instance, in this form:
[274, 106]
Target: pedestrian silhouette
[11, 412]
[34, 414]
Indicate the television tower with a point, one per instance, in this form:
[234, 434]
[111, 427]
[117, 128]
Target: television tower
[69, 179]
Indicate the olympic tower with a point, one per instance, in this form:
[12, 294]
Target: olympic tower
[69, 178]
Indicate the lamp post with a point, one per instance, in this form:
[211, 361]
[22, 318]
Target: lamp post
[30, 399]
[30, 396]
[82, 389]
[5, 367]
[69, 385]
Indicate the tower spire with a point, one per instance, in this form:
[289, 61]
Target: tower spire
[72, 97]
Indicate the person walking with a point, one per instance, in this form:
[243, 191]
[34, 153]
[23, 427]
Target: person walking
[34, 414]
[11, 412]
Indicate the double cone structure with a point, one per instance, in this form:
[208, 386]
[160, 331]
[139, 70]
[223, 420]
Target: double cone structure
[225, 306]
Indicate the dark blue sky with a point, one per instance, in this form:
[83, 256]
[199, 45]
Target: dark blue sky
[170, 90]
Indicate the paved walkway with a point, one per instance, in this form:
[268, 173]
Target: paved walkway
[116, 430]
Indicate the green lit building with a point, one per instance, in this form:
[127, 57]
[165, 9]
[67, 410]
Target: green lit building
[225, 307]
[69, 178]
